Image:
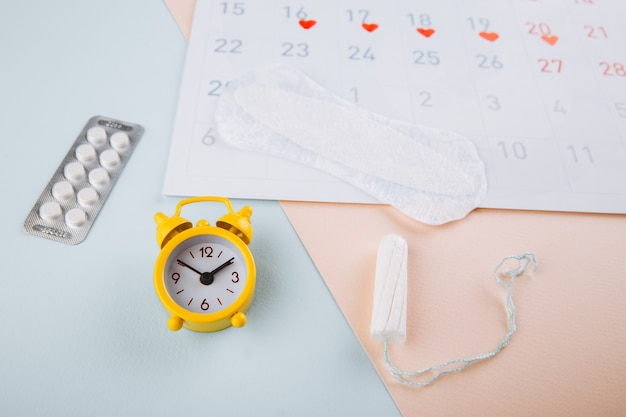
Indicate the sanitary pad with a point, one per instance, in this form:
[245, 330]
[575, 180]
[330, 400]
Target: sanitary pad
[431, 175]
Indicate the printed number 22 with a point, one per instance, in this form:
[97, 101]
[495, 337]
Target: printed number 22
[226, 47]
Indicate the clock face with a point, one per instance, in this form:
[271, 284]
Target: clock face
[205, 274]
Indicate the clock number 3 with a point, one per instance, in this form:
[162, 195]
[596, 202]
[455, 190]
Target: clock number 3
[235, 278]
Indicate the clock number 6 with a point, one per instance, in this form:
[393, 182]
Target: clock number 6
[204, 305]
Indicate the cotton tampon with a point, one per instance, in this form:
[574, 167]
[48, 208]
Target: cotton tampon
[390, 297]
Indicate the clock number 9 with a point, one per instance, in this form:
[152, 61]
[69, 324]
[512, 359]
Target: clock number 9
[175, 277]
[235, 277]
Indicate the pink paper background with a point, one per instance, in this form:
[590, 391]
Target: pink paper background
[568, 357]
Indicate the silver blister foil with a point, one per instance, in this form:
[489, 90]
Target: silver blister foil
[70, 203]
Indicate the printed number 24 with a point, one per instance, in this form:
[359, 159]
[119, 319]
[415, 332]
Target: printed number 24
[357, 53]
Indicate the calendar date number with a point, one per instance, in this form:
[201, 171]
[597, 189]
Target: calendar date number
[489, 62]
[295, 50]
[426, 57]
[359, 53]
[550, 66]
[613, 69]
[225, 46]
[233, 8]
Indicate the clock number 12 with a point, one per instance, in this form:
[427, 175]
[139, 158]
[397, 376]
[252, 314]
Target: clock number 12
[207, 252]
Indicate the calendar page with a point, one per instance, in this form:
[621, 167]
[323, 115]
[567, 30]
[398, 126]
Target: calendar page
[538, 85]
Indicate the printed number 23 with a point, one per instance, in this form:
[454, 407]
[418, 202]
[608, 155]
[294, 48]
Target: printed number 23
[299, 50]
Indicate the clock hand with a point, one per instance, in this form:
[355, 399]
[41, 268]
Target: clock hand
[224, 265]
[208, 277]
[181, 263]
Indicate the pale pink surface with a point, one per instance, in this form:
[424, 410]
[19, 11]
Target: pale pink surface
[569, 354]
[182, 12]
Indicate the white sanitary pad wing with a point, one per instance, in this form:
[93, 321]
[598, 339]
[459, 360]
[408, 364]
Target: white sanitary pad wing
[431, 175]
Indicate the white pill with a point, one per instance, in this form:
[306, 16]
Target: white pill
[97, 136]
[74, 171]
[87, 196]
[109, 158]
[62, 190]
[120, 141]
[98, 177]
[85, 153]
[75, 217]
[50, 210]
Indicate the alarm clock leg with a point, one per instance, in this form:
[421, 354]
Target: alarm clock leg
[175, 323]
[238, 319]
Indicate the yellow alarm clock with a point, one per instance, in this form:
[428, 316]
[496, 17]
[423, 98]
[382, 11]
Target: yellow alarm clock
[205, 275]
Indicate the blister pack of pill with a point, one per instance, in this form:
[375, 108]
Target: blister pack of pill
[70, 203]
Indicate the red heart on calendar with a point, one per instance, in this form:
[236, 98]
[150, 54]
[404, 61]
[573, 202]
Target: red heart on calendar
[307, 24]
[370, 27]
[550, 39]
[426, 32]
[490, 36]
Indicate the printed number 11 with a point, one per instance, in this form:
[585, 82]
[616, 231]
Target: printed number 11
[585, 151]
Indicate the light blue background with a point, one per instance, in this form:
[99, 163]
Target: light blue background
[82, 332]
